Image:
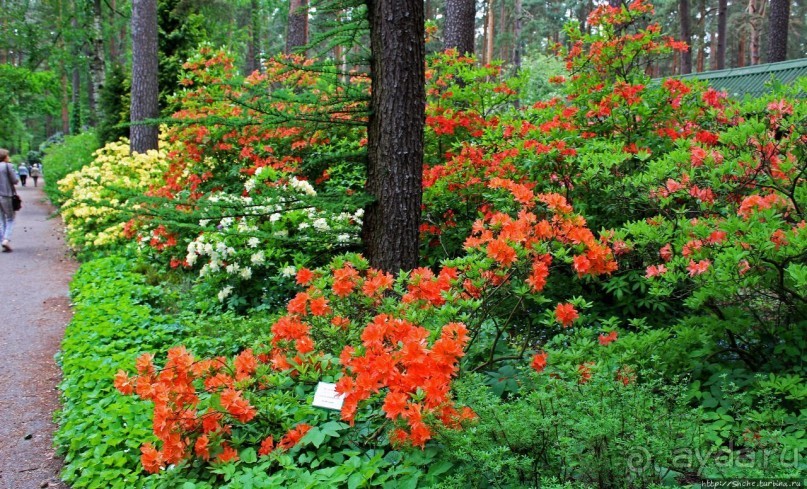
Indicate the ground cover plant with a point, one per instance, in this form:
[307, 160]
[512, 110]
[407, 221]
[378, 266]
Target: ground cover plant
[612, 273]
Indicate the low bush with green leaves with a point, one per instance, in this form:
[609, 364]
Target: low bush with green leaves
[99, 431]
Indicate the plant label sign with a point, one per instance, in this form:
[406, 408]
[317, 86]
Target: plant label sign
[326, 397]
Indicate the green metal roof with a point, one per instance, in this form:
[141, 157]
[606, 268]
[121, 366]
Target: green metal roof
[751, 80]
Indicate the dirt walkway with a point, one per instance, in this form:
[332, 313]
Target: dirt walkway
[34, 309]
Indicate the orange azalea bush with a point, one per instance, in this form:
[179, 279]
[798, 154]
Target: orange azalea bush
[394, 344]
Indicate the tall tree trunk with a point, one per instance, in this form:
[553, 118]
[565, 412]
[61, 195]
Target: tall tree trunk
[297, 33]
[713, 53]
[778, 18]
[490, 33]
[254, 42]
[503, 52]
[65, 98]
[145, 90]
[428, 10]
[741, 50]
[701, 36]
[395, 134]
[65, 95]
[123, 36]
[75, 119]
[722, 12]
[460, 24]
[114, 52]
[756, 11]
[686, 36]
[97, 65]
[582, 14]
[518, 11]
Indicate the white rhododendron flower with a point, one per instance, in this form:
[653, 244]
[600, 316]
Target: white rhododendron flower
[321, 224]
[258, 258]
[225, 292]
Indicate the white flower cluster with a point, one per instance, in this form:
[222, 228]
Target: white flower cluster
[298, 186]
[232, 250]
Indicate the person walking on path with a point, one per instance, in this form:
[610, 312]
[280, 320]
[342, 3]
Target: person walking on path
[36, 172]
[22, 171]
[8, 178]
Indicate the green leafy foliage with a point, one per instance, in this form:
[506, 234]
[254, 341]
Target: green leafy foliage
[599, 430]
[113, 324]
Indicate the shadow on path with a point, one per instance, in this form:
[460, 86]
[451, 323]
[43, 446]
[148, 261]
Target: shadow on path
[34, 310]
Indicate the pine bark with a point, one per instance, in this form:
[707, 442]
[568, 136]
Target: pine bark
[395, 134]
[145, 91]
[686, 36]
[297, 33]
[756, 13]
[778, 19]
[460, 22]
[722, 12]
[254, 41]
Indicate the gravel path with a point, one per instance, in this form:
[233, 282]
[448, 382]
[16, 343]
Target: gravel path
[34, 309]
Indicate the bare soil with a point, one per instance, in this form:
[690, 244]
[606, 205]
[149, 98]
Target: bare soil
[34, 310]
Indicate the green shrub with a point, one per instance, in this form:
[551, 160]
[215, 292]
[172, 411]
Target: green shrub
[100, 431]
[600, 433]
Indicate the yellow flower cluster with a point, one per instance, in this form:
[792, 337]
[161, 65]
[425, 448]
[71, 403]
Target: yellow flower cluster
[98, 205]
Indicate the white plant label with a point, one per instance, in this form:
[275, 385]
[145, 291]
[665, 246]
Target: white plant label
[326, 397]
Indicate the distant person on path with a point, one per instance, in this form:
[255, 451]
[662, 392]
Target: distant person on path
[22, 171]
[36, 172]
[8, 178]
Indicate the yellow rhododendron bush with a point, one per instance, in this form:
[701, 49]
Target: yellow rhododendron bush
[100, 193]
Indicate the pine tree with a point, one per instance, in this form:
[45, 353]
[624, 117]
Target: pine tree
[458, 31]
[395, 133]
[145, 91]
[297, 33]
[779, 17]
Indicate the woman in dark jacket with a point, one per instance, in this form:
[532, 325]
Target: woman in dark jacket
[8, 178]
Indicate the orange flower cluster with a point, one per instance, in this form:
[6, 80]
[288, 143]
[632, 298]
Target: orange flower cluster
[177, 420]
[396, 356]
[195, 403]
[566, 314]
[425, 286]
[506, 239]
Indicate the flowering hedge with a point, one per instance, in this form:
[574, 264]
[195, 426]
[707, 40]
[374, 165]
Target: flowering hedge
[96, 210]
